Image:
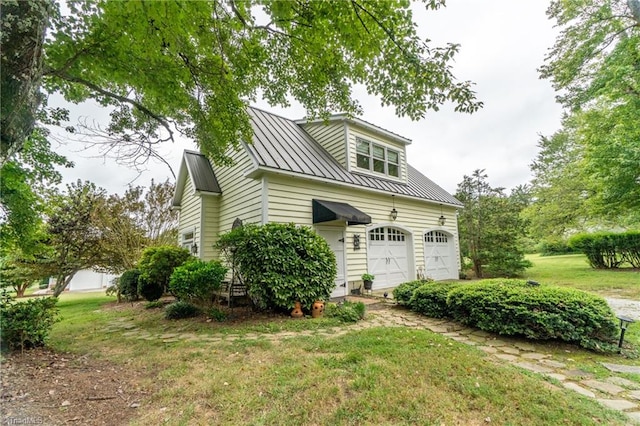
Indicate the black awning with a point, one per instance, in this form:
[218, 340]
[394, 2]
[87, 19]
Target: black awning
[325, 211]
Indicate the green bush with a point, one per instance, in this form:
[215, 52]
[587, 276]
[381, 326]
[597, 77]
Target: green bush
[216, 314]
[281, 264]
[609, 250]
[128, 285]
[26, 324]
[154, 305]
[180, 310]
[149, 290]
[511, 307]
[197, 281]
[431, 299]
[555, 248]
[346, 311]
[402, 293]
[156, 266]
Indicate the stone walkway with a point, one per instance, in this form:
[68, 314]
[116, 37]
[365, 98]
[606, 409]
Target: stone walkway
[614, 392]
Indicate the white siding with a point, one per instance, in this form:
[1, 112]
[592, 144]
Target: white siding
[189, 219]
[332, 138]
[210, 226]
[401, 148]
[290, 201]
[241, 196]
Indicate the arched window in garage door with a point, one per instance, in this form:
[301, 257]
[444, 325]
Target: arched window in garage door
[388, 256]
[439, 255]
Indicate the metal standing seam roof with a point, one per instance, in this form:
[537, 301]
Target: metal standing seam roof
[281, 144]
[201, 173]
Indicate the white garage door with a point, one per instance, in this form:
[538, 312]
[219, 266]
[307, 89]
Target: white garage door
[387, 257]
[439, 260]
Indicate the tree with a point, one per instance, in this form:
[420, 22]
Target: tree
[192, 67]
[595, 66]
[75, 236]
[491, 227]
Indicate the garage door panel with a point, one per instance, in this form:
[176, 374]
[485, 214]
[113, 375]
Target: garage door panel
[388, 257]
[439, 261]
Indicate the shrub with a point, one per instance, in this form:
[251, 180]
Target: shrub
[216, 314]
[154, 305]
[402, 293]
[608, 249]
[149, 290]
[430, 299]
[197, 281]
[128, 285]
[511, 307]
[181, 309]
[281, 264]
[346, 311]
[26, 324]
[555, 248]
[157, 264]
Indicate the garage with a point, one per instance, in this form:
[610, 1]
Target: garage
[439, 256]
[388, 256]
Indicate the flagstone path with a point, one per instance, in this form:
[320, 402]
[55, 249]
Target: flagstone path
[615, 392]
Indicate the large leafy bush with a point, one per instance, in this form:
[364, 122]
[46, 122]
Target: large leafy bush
[197, 281]
[403, 293]
[156, 266]
[26, 324]
[512, 307]
[128, 284]
[430, 299]
[608, 249]
[281, 263]
[181, 309]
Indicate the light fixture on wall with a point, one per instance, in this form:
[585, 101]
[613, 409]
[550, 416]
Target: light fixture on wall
[441, 220]
[394, 212]
[356, 241]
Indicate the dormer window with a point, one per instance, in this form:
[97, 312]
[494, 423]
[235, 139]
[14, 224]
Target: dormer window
[377, 158]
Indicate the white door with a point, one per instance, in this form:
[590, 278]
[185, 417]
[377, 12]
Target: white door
[335, 239]
[387, 257]
[438, 258]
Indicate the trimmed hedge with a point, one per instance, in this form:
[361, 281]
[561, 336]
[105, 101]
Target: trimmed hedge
[26, 324]
[430, 299]
[511, 307]
[608, 250]
[197, 281]
[402, 294]
[128, 284]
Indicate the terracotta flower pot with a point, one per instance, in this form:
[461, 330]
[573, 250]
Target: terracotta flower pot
[297, 311]
[317, 309]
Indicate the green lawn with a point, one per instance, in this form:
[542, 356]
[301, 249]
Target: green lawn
[374, 376]
[574, 271]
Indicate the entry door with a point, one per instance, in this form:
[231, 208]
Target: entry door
[439, 262]
[335, 238]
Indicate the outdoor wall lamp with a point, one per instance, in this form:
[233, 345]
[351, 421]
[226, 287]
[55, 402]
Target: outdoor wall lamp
[624, 323]
[194, 249]
[394, 212]
[356, 241]
[441, 220]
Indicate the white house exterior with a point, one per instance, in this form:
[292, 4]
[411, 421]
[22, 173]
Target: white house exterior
[343, 177]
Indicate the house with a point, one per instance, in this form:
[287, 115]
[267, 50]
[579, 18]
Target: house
[346, 178]
[87, 280]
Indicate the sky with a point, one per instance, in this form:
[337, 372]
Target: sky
[503, 43]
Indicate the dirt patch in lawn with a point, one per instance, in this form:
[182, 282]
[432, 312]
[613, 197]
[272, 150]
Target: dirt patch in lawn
[41, 386]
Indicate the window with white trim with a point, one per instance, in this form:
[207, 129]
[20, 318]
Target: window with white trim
[187, 240]
[436, 237]
[377, 158]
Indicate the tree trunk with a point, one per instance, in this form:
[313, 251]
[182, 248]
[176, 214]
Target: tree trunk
[61, 283]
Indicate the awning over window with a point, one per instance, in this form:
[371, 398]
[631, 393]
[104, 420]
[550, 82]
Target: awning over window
[325, 211]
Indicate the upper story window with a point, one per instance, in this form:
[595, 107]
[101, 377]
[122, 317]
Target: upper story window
[377, 158]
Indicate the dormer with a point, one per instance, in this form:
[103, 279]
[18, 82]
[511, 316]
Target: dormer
[361, 147]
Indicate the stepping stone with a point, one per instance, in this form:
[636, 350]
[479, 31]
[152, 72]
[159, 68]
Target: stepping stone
[635, 395]
[451, 334]
[533, 367]
[558, 377]
[481, 333]
[488, 349]
[617, 404]
[525, 347]
[621, 368]
[131, 333]
[168, 335]
[438, 329]
[476, 338]
[605, 387]
[461, 339]
[635, 415]
[578, 374]
[575, 387]
[506, 357]
[534, 355]
[128, 326]
[510, 350]
[623, 382]
[552, 363]
[170, 340]
[496, 343]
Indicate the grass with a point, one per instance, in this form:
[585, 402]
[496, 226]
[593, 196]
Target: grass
[574, 271]
[373, 376]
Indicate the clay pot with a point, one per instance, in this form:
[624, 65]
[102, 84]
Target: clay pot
[317, 309]
[297, 311]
